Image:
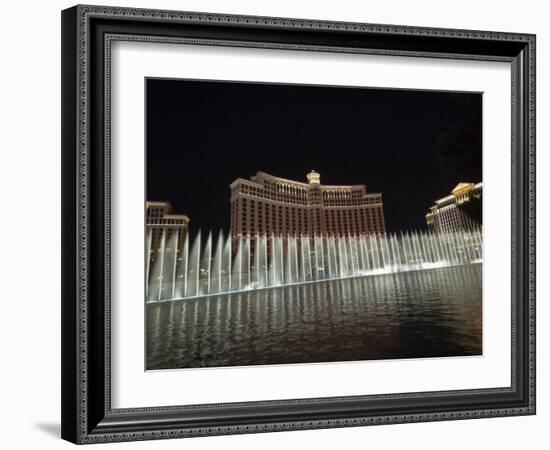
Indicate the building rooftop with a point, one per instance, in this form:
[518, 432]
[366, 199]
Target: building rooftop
[459, 189]
[313, 177]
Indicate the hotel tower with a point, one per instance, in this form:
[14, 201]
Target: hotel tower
[165, 233]
[446, 216]
[271, 205]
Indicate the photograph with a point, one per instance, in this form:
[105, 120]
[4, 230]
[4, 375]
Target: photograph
[292, 224]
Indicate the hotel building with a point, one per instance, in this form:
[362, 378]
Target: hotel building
[446, 215]
[162, 225]
[266, 204]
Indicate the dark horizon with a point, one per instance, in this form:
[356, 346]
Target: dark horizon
[413, 146]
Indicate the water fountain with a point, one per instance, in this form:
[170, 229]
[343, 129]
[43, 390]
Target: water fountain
[182, 269]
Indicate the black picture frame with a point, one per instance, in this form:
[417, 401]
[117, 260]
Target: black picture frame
[87, 415]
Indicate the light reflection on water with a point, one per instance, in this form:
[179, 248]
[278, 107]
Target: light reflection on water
[428, 313]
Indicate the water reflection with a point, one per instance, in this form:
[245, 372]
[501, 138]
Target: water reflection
[403, 315]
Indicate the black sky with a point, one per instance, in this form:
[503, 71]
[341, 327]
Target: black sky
[413, 146]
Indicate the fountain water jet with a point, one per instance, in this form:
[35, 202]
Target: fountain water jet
[180, 270]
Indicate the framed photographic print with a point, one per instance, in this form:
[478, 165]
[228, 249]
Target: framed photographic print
[278, 224]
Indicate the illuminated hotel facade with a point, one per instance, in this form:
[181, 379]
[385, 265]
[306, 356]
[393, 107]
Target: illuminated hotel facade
[165, 231]
[446, 216]
[270, 205]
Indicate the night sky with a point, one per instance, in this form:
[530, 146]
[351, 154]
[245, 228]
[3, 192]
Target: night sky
[413, 146]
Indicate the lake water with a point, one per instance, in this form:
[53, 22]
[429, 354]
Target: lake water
[430, 313]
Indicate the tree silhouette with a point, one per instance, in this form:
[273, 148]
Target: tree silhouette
[458, 152]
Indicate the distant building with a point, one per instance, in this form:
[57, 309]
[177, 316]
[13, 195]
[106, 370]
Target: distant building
[447, 216]
[266, 204]
[165, 231]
